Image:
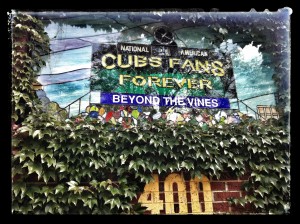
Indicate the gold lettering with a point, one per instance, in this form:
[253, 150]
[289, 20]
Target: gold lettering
[121, 65]
[105, 57]
[205, 67]
[155, 80]
[134, 80]
[169, 197]
[150, 196]
[173, 61]
[217, 69]
[166, 82]
[140, 61]
[155, 61]
[122, 77]
[204, 82]
[188, 63]
[180, 84]
[207, 195]
[192, 84]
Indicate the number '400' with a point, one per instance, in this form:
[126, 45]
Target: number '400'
[150, 197]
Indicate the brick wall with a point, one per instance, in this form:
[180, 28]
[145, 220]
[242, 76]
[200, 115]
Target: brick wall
[225, 188]
[221, 189]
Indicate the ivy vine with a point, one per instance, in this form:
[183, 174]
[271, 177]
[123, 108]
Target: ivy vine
[29, 42]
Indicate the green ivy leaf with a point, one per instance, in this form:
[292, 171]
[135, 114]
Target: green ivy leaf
[187, 164]
[61, 166]
[261, 190]
[250, 198]
[47, 174]
[132, 165]
[60, 189]
[35, 168]
[259, 203]
[114, 191]
[18, 187]
[37, 132]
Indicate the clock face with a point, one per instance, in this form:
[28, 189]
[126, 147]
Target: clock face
[163, 35]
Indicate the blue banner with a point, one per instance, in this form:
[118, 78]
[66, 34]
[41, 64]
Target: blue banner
[164, 101]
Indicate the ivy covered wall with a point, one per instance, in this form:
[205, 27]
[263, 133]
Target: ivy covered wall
[89, 167]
